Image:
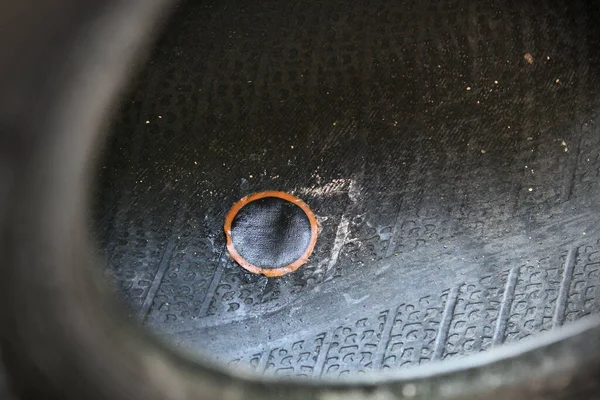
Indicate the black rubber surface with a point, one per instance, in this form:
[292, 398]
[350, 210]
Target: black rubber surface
[449, 148]
[271, 232]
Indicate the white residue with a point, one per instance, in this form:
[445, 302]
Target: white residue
[333, 188]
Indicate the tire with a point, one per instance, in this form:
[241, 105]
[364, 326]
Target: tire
[62, 336]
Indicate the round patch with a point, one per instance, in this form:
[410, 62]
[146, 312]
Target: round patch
[271, 233]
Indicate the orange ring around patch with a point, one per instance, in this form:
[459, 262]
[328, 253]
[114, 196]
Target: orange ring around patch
[271, 272]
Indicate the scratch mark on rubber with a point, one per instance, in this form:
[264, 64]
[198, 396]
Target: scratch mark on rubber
[507, 300]
[340, 239]
[354, 302]
[392, 240]
[264, 361]
[162, 268]
[214, 284]
[442, 334]
[563, 293]
[322, 357]
[386, 335]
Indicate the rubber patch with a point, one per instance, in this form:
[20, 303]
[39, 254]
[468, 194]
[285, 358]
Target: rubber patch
[271, 233]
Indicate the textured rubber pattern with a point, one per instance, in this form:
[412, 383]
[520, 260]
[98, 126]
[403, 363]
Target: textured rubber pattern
[449, 148]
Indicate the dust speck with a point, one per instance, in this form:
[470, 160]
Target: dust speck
[528, 57]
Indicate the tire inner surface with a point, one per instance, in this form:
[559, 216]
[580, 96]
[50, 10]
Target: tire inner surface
[450, 150]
